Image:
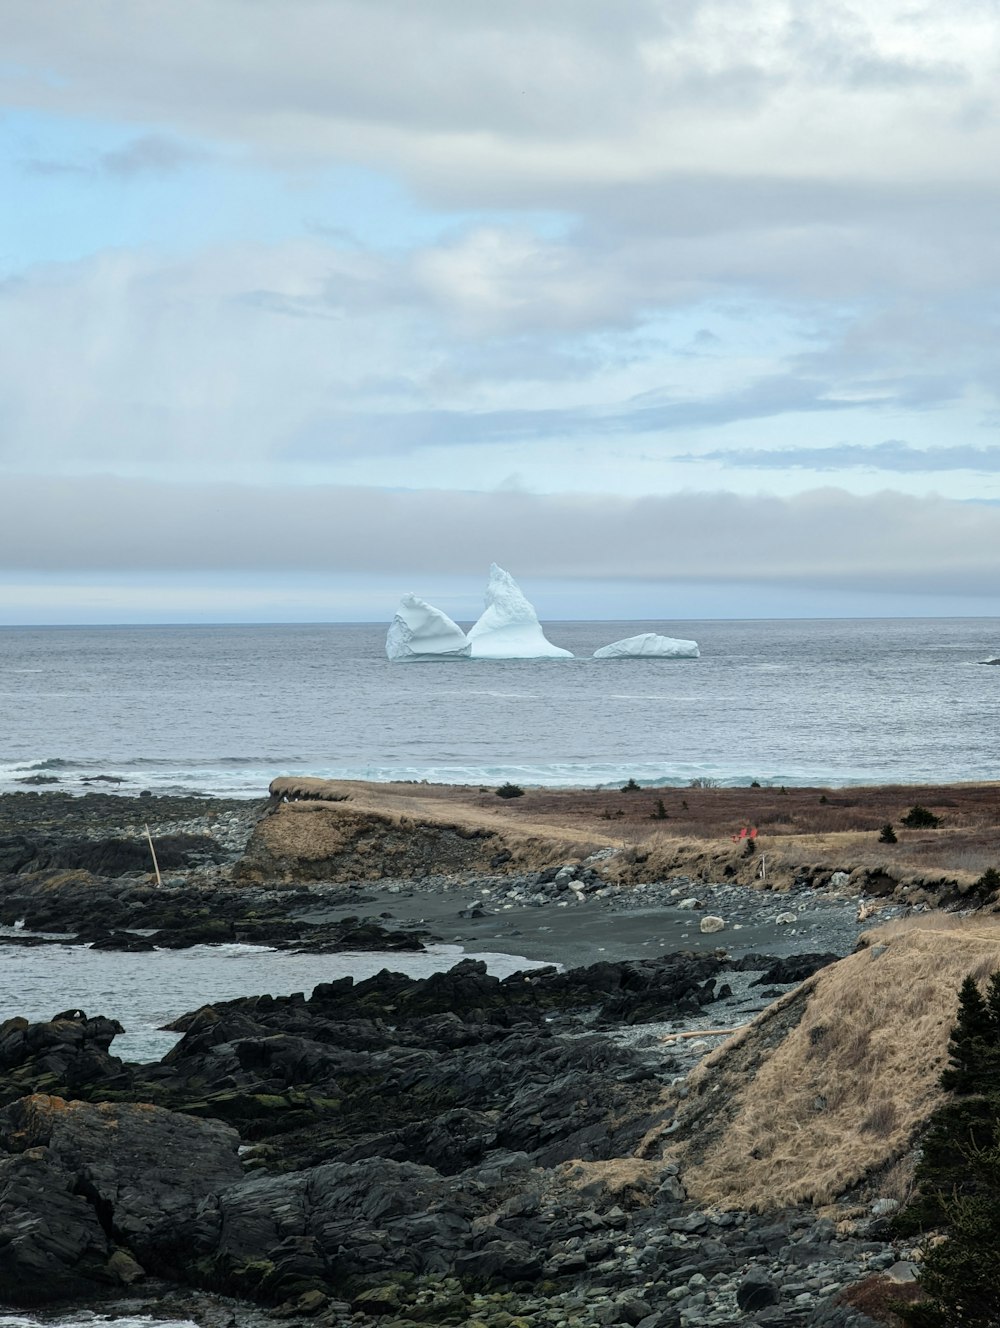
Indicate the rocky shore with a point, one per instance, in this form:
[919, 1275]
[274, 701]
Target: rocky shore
[457, 1149]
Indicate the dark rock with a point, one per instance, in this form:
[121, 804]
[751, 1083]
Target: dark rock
[107, 857]
[52, 1244]
[795, 969]
[64, 1055]
[121, 940]
[143, 1169]
[82, 1178]
[756, 1292]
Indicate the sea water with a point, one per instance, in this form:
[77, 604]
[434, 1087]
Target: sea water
[225, 709]
[148, 989]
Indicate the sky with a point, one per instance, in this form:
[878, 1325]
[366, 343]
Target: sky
[673, 308]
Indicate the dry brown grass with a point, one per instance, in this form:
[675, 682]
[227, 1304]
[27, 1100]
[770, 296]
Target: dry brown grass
[619, 1175]
[841, 1094]
[701, 814]
[813, 828]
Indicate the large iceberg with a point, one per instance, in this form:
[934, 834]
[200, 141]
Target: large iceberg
[509, 627]
[647, 645]
[420, 632]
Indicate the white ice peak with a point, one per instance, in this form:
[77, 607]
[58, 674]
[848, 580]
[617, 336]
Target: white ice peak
[509, 627]
[647, 645]
[419, 632]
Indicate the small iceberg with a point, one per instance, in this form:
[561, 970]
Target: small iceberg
[421, 633]
[509, 627]
[647, 645]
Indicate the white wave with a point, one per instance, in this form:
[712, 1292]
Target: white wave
[253, 782]
[86, 1319]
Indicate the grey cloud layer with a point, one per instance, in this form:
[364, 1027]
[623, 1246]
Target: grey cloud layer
[822, 539]
[404, 431]
[154, 154]
[529, 91]
[888, 456]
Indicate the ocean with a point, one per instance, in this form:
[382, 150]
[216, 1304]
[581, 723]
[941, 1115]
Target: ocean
[224, 709]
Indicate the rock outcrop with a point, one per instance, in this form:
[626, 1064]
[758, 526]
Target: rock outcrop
[79, 1182]
[323, 841]
[452, 1149]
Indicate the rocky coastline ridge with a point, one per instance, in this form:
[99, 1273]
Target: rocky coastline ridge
[455, 1149]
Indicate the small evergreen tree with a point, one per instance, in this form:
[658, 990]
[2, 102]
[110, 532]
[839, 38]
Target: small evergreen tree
[959, 1176]
[887, 835]
[962, 1275]
[971, 1041]
[660, 812]
[919, 818]
[631, 787]
[988, 883]
[510, 791]
[993, 1005]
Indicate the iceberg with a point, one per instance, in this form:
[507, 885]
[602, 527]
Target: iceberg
[647, 645]
[420, 632]
[509, 627]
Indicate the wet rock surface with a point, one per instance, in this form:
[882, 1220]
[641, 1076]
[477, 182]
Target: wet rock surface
[81, 908]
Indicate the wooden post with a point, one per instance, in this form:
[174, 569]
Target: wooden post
[156, 865]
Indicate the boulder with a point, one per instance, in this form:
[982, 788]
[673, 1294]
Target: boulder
[53, 1245]
[142, 1169]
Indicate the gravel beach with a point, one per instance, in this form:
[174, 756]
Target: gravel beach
[628, 922]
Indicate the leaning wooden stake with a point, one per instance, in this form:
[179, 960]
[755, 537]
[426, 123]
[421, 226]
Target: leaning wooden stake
[156, 865]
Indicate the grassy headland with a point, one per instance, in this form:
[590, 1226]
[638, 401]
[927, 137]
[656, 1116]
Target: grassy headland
[650, 833]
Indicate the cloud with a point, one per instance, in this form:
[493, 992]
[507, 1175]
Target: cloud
[568, 90]
[806, 192]
[891, 455]
[259, 357]
[45, 166]
[149, 154]
[653, 413]
[824, 539]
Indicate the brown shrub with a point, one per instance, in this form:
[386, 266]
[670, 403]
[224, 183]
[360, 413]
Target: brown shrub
[877, 1295]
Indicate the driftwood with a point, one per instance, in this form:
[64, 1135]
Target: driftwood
[704, 1032]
